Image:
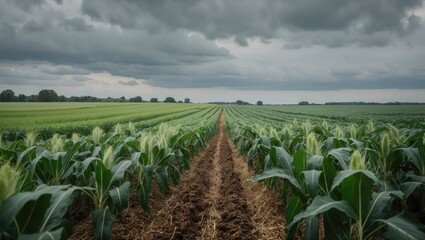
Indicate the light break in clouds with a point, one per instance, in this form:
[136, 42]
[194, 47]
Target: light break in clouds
[278, 51]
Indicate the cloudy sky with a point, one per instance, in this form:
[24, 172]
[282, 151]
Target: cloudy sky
[278, 51]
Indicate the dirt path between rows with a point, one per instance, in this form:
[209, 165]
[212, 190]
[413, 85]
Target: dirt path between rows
[212, 201]
[216, 202]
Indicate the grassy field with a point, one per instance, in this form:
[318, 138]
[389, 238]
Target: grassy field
[57, 116]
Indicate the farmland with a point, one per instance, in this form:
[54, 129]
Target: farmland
[173, 171]
[65, 118]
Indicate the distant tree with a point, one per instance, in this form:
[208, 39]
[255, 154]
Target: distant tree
[259, 103]
[47, 95]
[240, 102]
[62, 98]
[169, 100]
[73, 99]
[32, 98]
[303, 103]
[22, 98]
[187, 100]
[180, 101]
[136, 99]
[154, 100]
[7, 96]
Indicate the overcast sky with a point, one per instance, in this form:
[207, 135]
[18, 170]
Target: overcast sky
[278, 51]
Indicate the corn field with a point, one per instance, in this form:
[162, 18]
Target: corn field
[41, 179]
[334, 177]
[355, 181]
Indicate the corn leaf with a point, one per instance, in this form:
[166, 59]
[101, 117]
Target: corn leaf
[414, 157]
[280, 173]
[120, 196]
[403, 226]
[119, 170]
[62, 197]
[300, 162]
[409, 187]
[102, 222]
[321, 204]
[311, 230]
[342, 155]
[380, 206]
[294, 207]
[311, 181]
[280, 158]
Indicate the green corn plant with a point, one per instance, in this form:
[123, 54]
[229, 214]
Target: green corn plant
[353, 131]
[186, 144]
[37, 215]
[306, 128]
[354, 210]
[385, 160]
[97, 134]
[297, 173]
[415, 173]
[297, 170]
[151, 161]
[57, 143]
[52, 168]
[312, 145]
[110, 192]
[30, 139]
[131, 128]
[9, 181]
[244, 139]
[286, 134]
[118, 129]
[273, 133]
[325, 126]
[356, 161]
[75, 138]
[108, 157]
[370, 126]
[105, 174]
[339, 133]
[415, 156]
[395, 135]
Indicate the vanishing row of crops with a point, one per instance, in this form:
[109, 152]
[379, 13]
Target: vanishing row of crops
[66, 118]
[355, 181]
[401, 116]
[45, 180]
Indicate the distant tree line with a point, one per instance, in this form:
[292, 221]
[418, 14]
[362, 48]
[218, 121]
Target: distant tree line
[49, 95]
[238, 102]
[373, 103]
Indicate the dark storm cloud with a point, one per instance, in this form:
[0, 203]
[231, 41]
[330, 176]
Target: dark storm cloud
[169, 43]
[27, 5]
[252, 18]
[56, 39]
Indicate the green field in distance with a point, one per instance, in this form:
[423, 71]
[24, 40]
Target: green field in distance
[77, 116]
